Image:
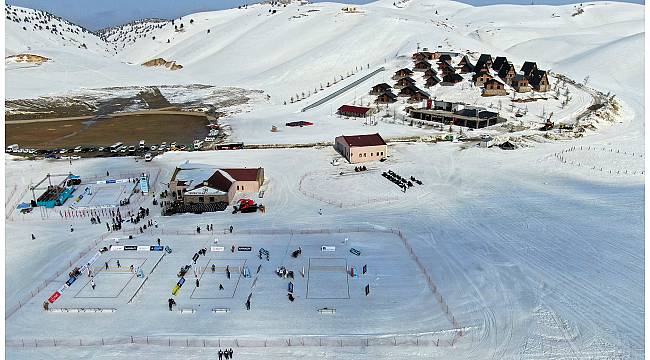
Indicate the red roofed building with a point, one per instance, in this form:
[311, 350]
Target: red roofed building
[205, 184]
[355, 111]
[361, 148]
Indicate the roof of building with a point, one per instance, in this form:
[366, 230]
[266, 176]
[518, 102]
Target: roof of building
[389, 94]
[407, 79]
[363, 140]
[519, 77]
[408, 71]
[505, 68]
[528, 67]
[195, 176]
[536, 76]
[485, 58]
[444, 57]
[498, 62]
[382, 85]
[479, 74]
[493, 80]
[432, 78]
[354, 109]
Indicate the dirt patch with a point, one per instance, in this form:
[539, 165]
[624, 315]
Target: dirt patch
[171, 65]
[129, 129]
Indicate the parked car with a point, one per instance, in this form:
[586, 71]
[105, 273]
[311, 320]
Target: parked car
[153, 148]
[299, 123]
[78, 149]
[75, 157]
[101, 148]
[209, 139]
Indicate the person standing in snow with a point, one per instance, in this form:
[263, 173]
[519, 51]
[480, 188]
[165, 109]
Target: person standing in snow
[220, 354]
[118, 264]
[158, 241]
[197, 282]
[92, 284]
[106, 264]
[33, 237]
[220, 287]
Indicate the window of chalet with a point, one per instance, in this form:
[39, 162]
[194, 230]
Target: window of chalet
[201, 199]
[211, 198]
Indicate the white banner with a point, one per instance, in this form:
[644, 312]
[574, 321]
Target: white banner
[216, 248]
[144, 248]
[327, 248]
[117, 248]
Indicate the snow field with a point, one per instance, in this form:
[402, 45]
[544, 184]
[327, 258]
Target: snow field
[100, 195]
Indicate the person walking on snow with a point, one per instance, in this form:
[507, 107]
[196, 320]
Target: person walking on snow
[33, 237]
[197, 282]
[92, 284]
[158, 241]
[220, 354]
[106, 264]
[220, 287]
[118, 264]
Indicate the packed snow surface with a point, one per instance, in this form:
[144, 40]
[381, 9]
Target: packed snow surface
[537, 252]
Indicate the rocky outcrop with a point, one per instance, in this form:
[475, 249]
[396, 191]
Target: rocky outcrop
[171, 65]
[27, 58]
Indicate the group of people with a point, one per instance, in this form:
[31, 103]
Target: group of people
[208, 227]
[225, 354]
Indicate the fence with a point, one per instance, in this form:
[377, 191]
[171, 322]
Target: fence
[340, 204]
[44, 284]
[342, 90]
[562, 156]
[425, 339]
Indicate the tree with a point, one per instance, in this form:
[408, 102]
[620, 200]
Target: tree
[181, 25]
[586, 80]
[208, 31]
[191, 21]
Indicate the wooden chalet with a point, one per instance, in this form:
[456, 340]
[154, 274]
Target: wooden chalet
[480, 78]
[450, 54]
[465, 66]
[422, 65]
[528, 68]
[507, 72]
[403, 82]
[411, 90]
[418, 96]
[431, 81]
[387, 97]
[430, 72]
[494, 87]
[402, 73]
[539, 81]
[379, 89]
[423, 55]
[520, 83]
[499, 61]
[451, 79]
[446, 68]
[444, 57]
[481, 67]
[485, 60]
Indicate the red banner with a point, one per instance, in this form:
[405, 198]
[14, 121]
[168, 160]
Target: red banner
[54, 296]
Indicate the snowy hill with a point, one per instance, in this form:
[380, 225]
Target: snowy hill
[28, 29]
[300, 46]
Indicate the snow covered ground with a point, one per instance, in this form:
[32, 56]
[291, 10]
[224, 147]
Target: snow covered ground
[535, 256]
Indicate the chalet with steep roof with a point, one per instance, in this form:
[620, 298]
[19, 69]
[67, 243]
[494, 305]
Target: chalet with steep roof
[528, 68]
[494, 87]
[539, 81]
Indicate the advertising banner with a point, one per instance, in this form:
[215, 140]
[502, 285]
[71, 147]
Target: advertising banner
[327, 248]
[117, 247]
[144, 248]
[216, 248]
[244, 248]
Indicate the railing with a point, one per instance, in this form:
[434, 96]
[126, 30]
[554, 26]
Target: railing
[341, 90]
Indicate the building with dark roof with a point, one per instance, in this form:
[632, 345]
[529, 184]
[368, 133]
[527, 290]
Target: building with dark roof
[354, 111]
[387, 97]
[538, 80]
[379, 89]
[498, 62]
[520, 83]
[402, 73]
[361, 148]
[528, 68]
[494, 87]
[507, 73]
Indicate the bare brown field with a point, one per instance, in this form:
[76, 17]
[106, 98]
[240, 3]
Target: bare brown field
[129, 129]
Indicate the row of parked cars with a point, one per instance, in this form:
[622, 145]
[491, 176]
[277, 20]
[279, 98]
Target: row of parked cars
[116, 149]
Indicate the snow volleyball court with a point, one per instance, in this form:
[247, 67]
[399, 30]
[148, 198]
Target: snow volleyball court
[326, 297]
[94, 195]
